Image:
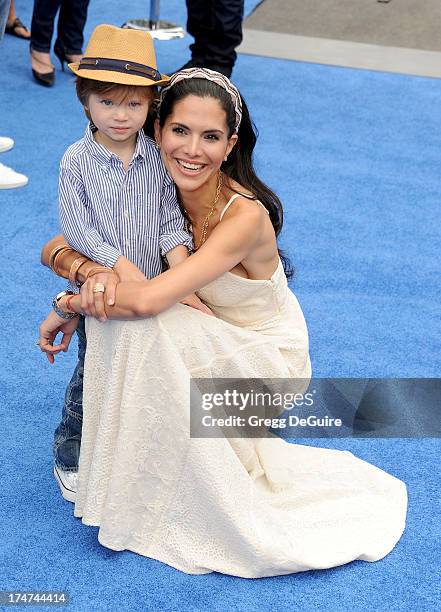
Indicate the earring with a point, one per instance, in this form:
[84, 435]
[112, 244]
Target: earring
[225, 158]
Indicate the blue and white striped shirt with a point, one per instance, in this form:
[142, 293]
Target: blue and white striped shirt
[106, 212]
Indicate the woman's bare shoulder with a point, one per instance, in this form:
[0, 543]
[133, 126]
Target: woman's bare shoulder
[242, 203]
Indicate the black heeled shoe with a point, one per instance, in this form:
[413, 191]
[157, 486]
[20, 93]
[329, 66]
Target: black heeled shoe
[61, 54]
[44, 78]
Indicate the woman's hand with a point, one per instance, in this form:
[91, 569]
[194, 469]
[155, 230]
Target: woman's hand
[93, 303]
[195, 302]
[49, 329]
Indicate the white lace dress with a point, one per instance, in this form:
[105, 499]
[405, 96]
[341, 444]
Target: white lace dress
[250, 508]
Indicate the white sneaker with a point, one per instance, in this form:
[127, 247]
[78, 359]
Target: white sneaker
[5, 144]
[68, 482]
[10, 179]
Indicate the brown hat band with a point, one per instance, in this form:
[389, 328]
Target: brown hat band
[125, 67]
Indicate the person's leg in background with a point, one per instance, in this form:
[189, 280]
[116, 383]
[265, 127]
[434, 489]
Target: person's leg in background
[42, 29]
[14, 25]
[200, 22]
[42, 25]
[216, 26]
[71, 21]
[4, 10]
[67, 437]
[8, 177]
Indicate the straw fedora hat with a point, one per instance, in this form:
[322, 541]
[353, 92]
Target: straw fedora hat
[122, 56]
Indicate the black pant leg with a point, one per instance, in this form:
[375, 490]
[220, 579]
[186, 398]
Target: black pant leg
[228, 31]
[200, 25]
[216, 26]
[71, 22]
[42, 26]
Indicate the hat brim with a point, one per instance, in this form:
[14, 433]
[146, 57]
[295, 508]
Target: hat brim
[119, 78]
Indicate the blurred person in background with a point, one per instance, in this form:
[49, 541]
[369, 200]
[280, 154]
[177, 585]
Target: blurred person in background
[69, 43]
[14, 25]
[216, 26]
[8, 177]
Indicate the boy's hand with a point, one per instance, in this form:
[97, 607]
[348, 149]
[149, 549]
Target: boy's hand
[93, 303]
[193, 301]
[127, 271]
[177, 255]
[49, 329]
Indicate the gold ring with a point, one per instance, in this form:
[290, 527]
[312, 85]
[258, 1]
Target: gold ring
[99, 288]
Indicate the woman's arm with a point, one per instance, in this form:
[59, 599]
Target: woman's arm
[229, 244]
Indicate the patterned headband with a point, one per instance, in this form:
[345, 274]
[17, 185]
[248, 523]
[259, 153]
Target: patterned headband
[209, 75]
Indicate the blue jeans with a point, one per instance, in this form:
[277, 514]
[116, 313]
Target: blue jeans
[67, 438]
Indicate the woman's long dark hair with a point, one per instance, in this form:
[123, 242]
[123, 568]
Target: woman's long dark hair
[239, 164]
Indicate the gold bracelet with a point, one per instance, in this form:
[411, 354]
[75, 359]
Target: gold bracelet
[55, 260]
[101, 270]
[76, 265]
[54, 253]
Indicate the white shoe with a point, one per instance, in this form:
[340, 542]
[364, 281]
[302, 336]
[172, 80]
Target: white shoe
[5, 144]
[68, 482]
[10, 179]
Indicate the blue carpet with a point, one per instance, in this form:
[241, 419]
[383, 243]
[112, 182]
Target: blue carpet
[355, 156]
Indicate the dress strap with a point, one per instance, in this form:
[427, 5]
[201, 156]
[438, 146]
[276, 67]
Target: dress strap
[234, 197]
[228, 204]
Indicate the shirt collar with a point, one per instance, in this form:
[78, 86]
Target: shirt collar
[100, 153]
[141, 146]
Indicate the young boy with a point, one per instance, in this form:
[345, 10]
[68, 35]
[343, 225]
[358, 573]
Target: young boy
[117, 203]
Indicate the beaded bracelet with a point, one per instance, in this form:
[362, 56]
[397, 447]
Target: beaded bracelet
[58, 310]
[68, 301]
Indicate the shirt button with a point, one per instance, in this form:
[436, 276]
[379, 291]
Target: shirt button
[126, 214]
[127, 243]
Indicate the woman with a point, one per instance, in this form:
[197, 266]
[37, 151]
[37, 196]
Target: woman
[68, 46]
[249, 507]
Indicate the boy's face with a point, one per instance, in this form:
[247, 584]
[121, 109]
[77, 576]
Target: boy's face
[118, 115]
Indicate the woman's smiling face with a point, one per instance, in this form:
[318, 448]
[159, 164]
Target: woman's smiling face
[194, 141]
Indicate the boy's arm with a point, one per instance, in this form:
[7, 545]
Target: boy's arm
[176, 255]
[76, 222]
[80, 234]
